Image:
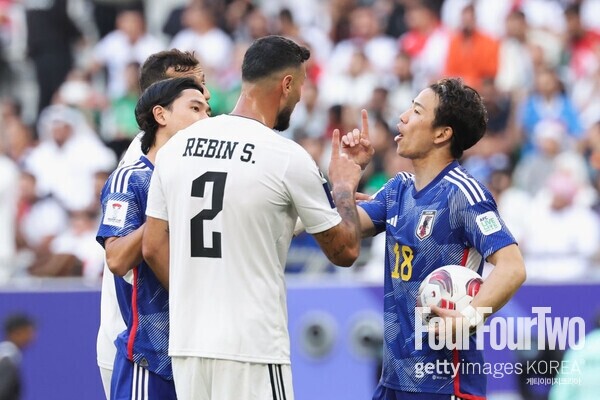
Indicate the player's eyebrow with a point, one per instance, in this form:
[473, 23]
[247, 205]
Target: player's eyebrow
[198, 102]
[417, 104]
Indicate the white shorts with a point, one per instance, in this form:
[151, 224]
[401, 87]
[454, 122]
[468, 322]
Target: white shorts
[212, 379]
[106, 375]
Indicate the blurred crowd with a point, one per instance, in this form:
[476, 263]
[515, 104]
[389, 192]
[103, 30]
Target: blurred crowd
[68, 89]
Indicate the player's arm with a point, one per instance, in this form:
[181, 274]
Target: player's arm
[341, 243]
[504, 280]
[502, 283]
[155, 248]
[124, 252]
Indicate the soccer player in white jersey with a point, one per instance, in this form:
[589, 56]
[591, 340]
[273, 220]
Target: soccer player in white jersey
[142, 367]
[222, 206]
[165, 64]
[439, 215]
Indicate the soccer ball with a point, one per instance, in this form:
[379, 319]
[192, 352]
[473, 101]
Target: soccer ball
[451, 286]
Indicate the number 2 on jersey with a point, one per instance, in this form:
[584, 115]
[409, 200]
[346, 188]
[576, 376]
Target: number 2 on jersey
[403, 270]
[197, 223]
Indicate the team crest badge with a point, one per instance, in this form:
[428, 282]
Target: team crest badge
[425, 225]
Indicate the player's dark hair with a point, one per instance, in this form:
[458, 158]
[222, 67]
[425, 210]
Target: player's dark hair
[461, 108]
[17, 321]
[271, 54]
[155, 67]
[162, 93]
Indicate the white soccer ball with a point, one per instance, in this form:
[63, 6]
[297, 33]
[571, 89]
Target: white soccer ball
[451, 286]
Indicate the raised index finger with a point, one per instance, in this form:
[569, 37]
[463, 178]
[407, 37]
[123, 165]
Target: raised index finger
[335, 143]
[365, 124]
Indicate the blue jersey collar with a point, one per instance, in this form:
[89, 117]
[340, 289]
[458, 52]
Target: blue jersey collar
[435, 180]
[147, 162]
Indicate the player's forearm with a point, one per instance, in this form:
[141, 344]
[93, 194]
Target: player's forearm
[159, 264]
[344, 246]
[155, 248]
[504, 280]
[125, 252]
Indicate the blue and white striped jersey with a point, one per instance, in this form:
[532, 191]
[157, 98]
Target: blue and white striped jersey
[453, 220]
[144, 303]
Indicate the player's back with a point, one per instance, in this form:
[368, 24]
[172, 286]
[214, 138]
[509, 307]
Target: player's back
[229, 184]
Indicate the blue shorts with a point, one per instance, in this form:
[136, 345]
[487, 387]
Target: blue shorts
[384, 393]
[132, 382]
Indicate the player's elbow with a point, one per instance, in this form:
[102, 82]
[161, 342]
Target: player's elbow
[116, 266]
[347, 257]
[149, 252]
[520, 274]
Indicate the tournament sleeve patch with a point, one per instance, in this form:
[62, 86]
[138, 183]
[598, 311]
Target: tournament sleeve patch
[115, 213]
[488, 223]
[328, 193]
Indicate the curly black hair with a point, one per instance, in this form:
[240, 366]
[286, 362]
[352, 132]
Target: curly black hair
[162, 93]
[461, 108]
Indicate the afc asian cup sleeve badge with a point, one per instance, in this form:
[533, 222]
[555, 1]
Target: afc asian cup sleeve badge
[425, 224]
[115, 213]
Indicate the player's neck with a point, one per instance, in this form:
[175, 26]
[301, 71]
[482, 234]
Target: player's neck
[427, 169]
[160, 140]
[254, 103]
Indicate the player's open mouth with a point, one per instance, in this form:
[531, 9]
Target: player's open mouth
[398, 137]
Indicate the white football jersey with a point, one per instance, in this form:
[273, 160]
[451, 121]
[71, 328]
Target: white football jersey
[111, 322]
[231, 190]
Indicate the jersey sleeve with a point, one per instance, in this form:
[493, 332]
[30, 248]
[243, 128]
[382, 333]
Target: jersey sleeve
[310, 193]
[376, 207]
[121, 212]
[483, 227]
[157, 205]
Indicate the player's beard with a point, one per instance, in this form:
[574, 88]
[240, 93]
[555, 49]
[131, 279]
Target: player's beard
[283, 119]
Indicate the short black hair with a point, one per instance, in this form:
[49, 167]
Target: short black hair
[461, 108]
[162, 93]
[271, 54]
[14, 322]
[155, 67]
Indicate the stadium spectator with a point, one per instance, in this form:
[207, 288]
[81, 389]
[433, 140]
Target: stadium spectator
[129, 42]
[74, 152]
[565, 236]
[39, 218]
[548, 101]
[515, 64]
[51, 33]
[367, 38]
[202, 35]
[9, 175]
[472, 55]
[426, 41]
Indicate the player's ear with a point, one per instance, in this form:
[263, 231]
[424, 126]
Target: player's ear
[159, 115]
[286, 84]
[443, 134]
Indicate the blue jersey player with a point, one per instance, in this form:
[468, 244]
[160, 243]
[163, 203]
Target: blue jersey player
[142, 368]
[437, 216]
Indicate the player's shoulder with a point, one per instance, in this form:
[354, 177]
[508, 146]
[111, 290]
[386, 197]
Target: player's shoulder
[461, 183]
[127, 175]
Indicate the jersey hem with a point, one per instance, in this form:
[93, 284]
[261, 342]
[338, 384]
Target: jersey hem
[324, 226]
[240, 358]
[156, 214]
